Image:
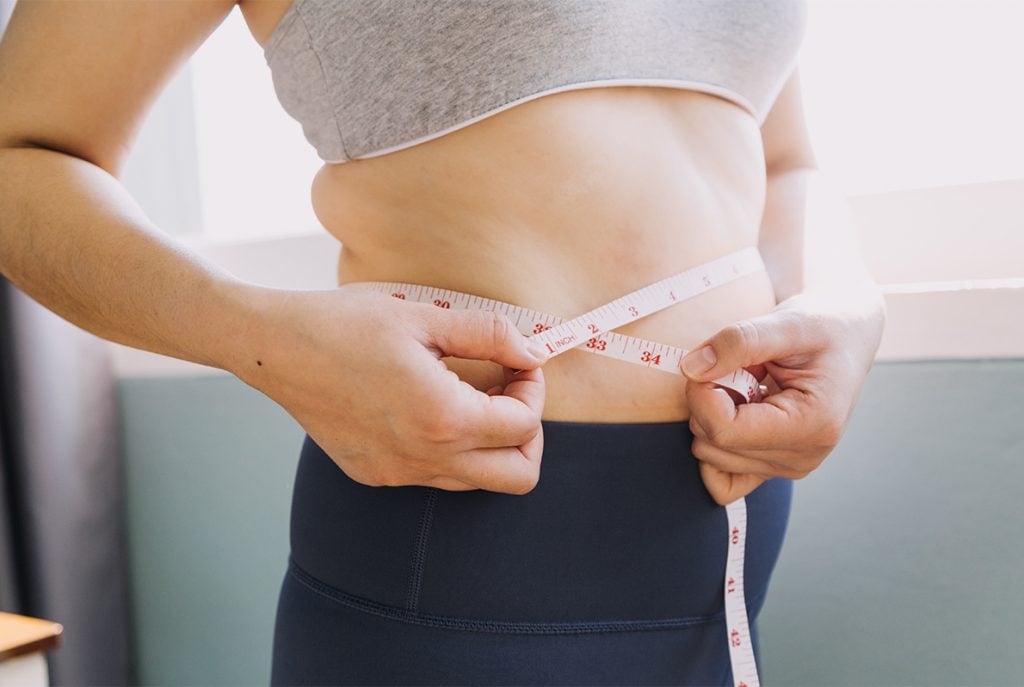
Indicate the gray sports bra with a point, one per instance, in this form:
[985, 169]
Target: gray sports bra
[369, 77]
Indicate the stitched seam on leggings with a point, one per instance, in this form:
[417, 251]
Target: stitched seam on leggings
[499, 626]
[419, 550]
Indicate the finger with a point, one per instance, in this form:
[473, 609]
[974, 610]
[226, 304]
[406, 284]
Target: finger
[729, 462]
[785, 336]
[509, 418]
[725, 487]
[481, 335]
[513, 470]
[509, 468]
[776, 457]
[779, 420]
[526, 386]
[737, 463]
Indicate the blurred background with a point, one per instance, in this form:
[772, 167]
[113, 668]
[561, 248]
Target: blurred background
[124, 517]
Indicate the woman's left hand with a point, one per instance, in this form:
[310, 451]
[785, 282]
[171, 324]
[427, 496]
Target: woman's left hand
[813, 355]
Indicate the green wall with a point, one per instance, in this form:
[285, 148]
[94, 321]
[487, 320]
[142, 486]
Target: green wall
[899, 566]
[904, 548]
[209, 465]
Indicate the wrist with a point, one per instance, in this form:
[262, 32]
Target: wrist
[242, 311]
[858, 312]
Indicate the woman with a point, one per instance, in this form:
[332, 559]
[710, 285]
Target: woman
[552, 156]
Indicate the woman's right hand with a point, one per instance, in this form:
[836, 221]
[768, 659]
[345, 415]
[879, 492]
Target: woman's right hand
[362, 373]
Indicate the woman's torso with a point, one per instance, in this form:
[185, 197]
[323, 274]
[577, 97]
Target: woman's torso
[562, 204]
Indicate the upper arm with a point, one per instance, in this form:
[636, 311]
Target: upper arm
[80, 77]
[787, 143]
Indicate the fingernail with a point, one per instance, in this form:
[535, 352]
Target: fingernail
[538, 350]
[699, 361]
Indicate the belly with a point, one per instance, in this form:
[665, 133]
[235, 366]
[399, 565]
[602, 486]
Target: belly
[562, 204]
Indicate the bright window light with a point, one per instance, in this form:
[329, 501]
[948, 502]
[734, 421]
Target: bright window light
[255, 167]
[915, 93]
[899, 94]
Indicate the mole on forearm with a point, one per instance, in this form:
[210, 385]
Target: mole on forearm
[259, 362]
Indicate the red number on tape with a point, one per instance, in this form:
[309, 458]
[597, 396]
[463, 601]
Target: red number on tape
[646, 357]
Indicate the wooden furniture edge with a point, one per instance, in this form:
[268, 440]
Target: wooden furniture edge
[21, 635]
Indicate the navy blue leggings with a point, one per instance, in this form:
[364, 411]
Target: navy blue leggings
[609, 572]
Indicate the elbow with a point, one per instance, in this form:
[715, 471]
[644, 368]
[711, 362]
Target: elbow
[112, 164]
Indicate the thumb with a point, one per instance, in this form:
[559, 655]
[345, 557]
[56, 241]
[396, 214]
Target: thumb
[483, 335]
[778, 336]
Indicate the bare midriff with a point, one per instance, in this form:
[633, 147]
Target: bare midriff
[562, 204]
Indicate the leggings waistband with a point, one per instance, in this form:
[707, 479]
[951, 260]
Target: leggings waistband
[619, 528]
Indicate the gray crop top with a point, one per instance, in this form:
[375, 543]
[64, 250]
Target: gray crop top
[369, 77]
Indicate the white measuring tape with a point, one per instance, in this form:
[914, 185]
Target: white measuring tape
[592, 332]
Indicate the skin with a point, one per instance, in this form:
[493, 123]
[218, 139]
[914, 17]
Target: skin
[600, 190]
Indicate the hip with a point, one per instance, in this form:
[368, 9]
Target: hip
[618, 533]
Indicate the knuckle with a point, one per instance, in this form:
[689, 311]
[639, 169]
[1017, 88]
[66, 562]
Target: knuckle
[714, 434]
[695, 427]
[497, 326]
[367, 476]
[742, 335]
[749, 334]
[829, 434]
[786, 471]
[441, 424]
[528, 434]
[389, 480]
[815, 327]
[527, 484]
[809, 464]
[720, 496]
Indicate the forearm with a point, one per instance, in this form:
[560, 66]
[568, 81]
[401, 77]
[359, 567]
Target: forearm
[808, 240]
[74, 239]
